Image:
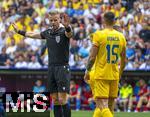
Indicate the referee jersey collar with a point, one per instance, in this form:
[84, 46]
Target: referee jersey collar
[60, 26]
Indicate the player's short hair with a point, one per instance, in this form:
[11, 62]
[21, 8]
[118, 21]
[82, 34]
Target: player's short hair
[109, 18]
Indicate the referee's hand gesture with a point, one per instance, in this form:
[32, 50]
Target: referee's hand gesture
[66, 23]
[33, 35]
[65, 20]
[15, 27]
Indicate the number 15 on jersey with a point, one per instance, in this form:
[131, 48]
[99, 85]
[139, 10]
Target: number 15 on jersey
[112, 53]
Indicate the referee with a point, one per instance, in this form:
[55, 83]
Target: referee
[57, 37]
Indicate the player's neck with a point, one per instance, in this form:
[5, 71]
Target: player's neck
[108, 27]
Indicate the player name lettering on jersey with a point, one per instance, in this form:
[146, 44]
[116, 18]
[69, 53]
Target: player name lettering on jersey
[112, 38]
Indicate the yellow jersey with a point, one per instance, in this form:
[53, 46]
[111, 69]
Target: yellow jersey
[110, 43]
[126, 92]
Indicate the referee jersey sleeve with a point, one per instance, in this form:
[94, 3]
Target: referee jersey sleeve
[43, 34]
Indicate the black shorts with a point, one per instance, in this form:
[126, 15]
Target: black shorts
[58, 79]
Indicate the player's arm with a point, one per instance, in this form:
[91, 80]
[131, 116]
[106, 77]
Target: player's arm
[93, 53]
[123, 59]
[66, 23]
[94, 50]
[92, 58]
[34, 35]
[91, 61]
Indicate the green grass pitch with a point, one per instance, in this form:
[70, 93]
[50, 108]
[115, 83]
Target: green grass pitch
[78, 114]
[119, 114]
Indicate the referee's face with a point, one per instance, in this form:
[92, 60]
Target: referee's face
[54, 21]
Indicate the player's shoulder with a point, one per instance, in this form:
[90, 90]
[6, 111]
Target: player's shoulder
[122, 37]
[98, 32]
[102, 31]
[119, 33]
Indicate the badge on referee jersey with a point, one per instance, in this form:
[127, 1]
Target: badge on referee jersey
[57, 39]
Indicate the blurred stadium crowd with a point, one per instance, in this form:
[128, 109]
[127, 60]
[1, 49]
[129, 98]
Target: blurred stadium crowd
[86, 17]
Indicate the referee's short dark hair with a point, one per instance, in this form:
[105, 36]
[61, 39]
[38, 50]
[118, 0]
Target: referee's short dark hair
[109, 18]
[54, 12]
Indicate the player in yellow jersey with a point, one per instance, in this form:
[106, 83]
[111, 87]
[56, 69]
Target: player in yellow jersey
[108, 47]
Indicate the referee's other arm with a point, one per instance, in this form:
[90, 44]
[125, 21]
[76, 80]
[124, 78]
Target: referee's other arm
[34, 35]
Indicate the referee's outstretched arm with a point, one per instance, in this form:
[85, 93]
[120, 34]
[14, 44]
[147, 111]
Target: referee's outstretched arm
[34, 35]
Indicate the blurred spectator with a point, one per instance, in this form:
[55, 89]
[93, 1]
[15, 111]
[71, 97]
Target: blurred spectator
[2, 40]
[21, 63]
[34, 64]
[145, 65]
[147, 50]
[141, 94]
[144, 94]
[12, 49]
[91, 103]
[74, 47]
[92, 26]
[125, 96]
[39, 87]
[85, 49]
[2, 110]
[73, 53]
[75, 94]
[3, 57]
[80, 11]
[70, 11]
[87, 97]
[145, 33]
[22, 47]
[129, 65]
[61, 7]
[147, 107]
[81, 34]
[28, 9]
[138, 60]
[41, 9]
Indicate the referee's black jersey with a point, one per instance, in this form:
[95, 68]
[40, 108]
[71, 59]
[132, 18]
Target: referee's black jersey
[58, 46]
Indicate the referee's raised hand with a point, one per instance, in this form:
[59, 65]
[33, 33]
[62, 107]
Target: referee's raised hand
[15, 27]
[66, 23]
[65, 20]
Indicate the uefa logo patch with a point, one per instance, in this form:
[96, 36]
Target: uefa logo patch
[57, 39]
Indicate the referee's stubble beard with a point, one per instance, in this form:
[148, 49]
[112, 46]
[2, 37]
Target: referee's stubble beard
[54, 21]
